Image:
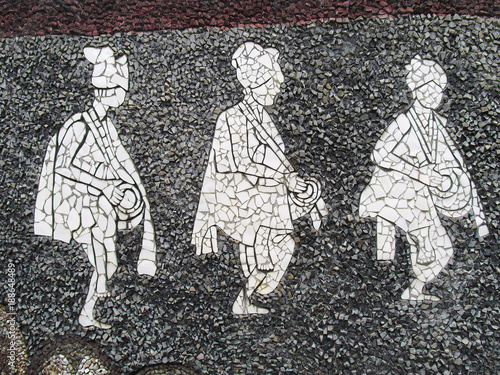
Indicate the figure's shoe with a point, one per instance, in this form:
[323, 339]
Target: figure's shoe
[146, 267]
[411, 295]
[87, 321]
[482, 231]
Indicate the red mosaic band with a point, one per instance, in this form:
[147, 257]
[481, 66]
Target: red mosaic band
[92, 17]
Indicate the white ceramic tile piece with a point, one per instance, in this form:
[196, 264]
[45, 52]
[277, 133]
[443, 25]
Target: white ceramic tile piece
[250, 190]
[89, 186]
[419, 162]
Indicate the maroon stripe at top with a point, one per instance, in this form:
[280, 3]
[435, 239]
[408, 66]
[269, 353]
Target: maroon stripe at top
[92, 17]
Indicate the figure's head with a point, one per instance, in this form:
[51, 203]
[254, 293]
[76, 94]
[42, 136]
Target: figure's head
[258, 71]
[427, 81]
[110, 75]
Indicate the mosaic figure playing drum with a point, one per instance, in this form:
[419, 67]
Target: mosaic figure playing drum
[419, 172]
[250, 190]
[89, 186]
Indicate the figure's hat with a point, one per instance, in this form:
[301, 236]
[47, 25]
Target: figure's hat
[255, 65]
[420, 72]
[109, 71]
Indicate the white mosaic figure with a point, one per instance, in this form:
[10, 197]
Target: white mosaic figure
[250, 190]
[419, 172]
[89, 186]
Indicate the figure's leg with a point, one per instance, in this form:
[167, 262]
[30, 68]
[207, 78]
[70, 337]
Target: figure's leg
[100, 256]
[262, 245]
[247, 259]
[104, 244]
[436, 241]
[111, 260]
[87, 314]
[282, 249]
[242, 305]
[427, 239]
[386, 239]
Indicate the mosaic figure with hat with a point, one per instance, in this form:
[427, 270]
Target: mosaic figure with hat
[89, 186]
[419, 173]
[250, 190]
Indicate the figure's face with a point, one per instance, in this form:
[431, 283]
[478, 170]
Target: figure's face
[429, 95]
[112, 97]
[266, 92]
[111, 73]
[110, 78]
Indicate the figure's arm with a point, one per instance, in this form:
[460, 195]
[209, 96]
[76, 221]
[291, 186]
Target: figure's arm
[71, 141]
[477, 207]
[231, 153]
[127, 170]
[384, 154]
[388, 156]
[452, 146]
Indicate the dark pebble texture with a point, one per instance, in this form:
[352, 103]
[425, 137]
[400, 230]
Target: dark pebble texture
[337, 310]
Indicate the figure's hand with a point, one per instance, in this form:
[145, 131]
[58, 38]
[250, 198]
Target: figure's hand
[429, 175]
[114, 193]
[295, 183]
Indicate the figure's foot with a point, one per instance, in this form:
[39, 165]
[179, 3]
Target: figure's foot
[242, 305]
[264, 262]
[87, 321]
[425, 258]
[247, 308]
[146, 267]
[103, 295]
[411, 294]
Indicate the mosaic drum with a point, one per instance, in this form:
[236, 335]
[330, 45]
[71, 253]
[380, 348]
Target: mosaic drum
[456, 202]
[132, 203]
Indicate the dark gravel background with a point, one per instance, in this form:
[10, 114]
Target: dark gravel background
[337, 309]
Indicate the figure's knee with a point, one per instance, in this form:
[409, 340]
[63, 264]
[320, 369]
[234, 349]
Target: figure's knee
[283, 241]
[284, 248]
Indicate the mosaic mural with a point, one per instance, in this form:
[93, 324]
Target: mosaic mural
[285, 198]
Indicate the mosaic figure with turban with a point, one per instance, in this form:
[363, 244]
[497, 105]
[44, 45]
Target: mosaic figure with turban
[89, 186]
[419, 173]
[250, 190]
